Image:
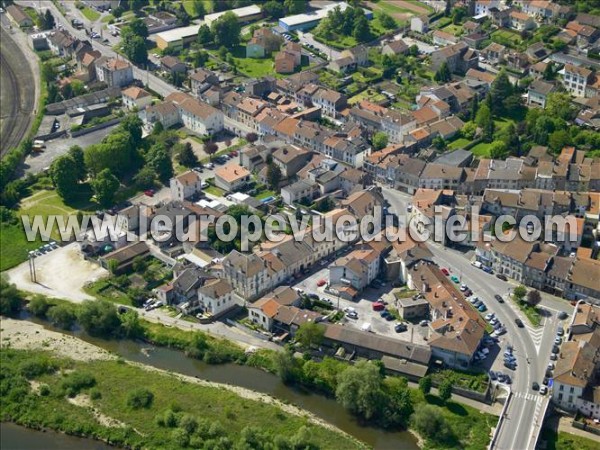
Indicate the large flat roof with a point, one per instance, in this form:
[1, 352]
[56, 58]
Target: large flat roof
[319, 14]
[178, 33]
[240, 12]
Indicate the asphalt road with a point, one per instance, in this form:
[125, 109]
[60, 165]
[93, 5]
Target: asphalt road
[532, 346]
[17, 97]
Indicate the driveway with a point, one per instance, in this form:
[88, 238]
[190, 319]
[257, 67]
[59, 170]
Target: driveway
[61, 273]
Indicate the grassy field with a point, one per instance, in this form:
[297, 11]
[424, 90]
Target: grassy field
[14, 245]
[107, 18]
[90, 14]
[532, 313]
[459, 143]
[482, 150]
[392, 7]
[368, 94]
[566, 441]
[189, 7]
[455, 30]
[506, 37]
[180, 414]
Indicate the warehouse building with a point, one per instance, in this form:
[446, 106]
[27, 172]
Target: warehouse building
[177, 38]
[310, 20]
[245, 14]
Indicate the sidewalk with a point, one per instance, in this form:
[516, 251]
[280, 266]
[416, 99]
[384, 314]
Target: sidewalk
[564, 424]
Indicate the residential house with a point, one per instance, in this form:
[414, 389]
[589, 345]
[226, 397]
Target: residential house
[166, 113]
[248, 274]
[576, 381]
[114, 72]
[575, 79]
[441, 176]
[197, 116]
[419, 24]
[301, 189]
[289, 58]
[61, 43]
[352, 273]
[216, 297]
[136, 98]
[475, 40]
[124, 256]
[350, 59]
[538, 92]
[397, 125]
[494, 53]
[538, 70]
[394, 48]
[263, 43]
[201, 80]
[329, 101]
[263, 311]
[19, 16]
[231, 177]
[459, 58]
[172, 65]
[582, 281]
[443, 38]
[290, 159]
[86, 66]
[185, 186]
[520, 21]
[482, 7]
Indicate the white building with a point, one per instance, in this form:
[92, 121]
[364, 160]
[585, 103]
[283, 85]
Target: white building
[216, 297]
[185, 186]
[135, 97]
[245, 14]
[575, 79]
[114, 72]
[419, 24]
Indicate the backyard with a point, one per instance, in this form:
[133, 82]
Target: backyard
[90, 14]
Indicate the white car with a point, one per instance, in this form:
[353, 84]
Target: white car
[543, 390]
[204, 185]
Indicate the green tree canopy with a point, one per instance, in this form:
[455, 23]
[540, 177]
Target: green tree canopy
[380, 140]
[310, 334]
[273, 175]
[359, 389]
[226, 30]
[105, 186]
[64, 173]
[99, 318]
[62, 316]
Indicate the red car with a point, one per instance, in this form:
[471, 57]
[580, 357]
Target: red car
[321, 283]
[445, 271]
[378, 306]
[149, 192]
[234, 153]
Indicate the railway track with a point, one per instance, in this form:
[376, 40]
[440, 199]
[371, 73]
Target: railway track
[17, 93]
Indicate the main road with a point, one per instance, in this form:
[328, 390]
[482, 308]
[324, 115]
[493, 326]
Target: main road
[532, 346]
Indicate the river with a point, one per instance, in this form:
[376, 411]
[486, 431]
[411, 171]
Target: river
[255, 379]
[15, 437]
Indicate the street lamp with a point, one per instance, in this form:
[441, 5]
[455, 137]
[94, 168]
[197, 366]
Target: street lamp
[32, 274]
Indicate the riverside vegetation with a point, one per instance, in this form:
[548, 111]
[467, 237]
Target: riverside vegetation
[362, 388]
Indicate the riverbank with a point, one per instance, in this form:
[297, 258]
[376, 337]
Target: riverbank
[26, 344]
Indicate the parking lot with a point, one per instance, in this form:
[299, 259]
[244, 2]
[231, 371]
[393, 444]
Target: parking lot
[364, 308]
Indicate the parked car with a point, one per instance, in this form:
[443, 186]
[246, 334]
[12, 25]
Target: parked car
[378, 306]
[321, 282]
[558, 340]
[486, 269]
[560, 331]
[313, 296]
[562, 315]
[482, 308]
[555, 349]
[493, 375]
[352, 315]
[455, 279]
[424, 323]
[501, 277]
[543, 390]
[445, 271]
[149, 192]
[553, 356]
[468, 293]
[384, 314]
[519, 323]
[399, 328]
[463, 287]
[535, 386]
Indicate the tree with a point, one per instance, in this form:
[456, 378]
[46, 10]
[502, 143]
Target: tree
[558, 104]
[286, 365]
[360, 390]
[380, 140]
[64, 175]
[145, 178]
[498, 150]
[310, 334]
[105, 186]
[519, 293]
[440, 143]
[425, 384]
[387, 21]
[157, 128]
[76, 153]
[49, 22]
[135, 49]
[474, 107]
[273, 176]
[210, 148]
[273, 9]
[136, 27]
[558, 140]
[198, 8]
[61, 316]
[159, 160]
[361, 30]
[485, 122]
[534, 297]
[445, 389]
[11, 299]
[429, 421]
[443, 74]
[252, 137]
[469, 130]
[39, 306]
[549, 72]
[500, 90]
[295, 6]
[99, 318]
[187, 157]
[205, 36]
[130, 325]
[510, 138]
[132, 125]
[226, 30]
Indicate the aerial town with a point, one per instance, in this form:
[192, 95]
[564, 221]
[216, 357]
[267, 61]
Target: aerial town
[295, 224]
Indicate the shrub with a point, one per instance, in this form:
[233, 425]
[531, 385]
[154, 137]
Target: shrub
[76, 382]
[140, 398]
